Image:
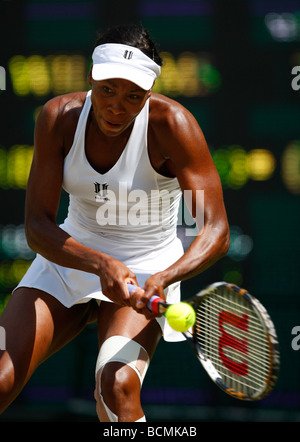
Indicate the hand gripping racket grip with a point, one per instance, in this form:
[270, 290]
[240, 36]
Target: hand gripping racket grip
[153, 303]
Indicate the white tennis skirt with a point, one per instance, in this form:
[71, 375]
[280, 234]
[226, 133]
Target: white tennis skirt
[71, 286]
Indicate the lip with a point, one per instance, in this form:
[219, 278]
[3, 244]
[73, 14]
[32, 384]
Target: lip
[111, 123]
[113, 127]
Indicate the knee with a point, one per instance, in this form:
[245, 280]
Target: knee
[7, 383]
[120, 370]
[117, 393]
[118, 383]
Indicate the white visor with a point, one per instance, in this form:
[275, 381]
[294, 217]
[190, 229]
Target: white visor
[114, 60]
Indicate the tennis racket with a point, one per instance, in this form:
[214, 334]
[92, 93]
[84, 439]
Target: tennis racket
[234, 339]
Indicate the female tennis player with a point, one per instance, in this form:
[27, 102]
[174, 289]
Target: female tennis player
[125, 156]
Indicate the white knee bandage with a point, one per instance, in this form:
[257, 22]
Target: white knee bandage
[121, 349]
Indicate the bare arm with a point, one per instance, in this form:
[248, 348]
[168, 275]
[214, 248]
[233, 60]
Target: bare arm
[187, 156]
[42, 201]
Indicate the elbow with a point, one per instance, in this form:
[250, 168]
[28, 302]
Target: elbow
[33, 232]
[224, 243]
[30, 237]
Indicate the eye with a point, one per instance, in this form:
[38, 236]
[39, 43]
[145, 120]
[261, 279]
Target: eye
[106, 89]
[135, 97]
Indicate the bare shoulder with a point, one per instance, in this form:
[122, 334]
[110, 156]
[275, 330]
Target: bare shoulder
[176, 139]
[59, 116]
[165, 111]
[63, 106]
[171, 124]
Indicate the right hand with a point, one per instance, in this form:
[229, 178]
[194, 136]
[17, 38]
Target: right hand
[114, 279]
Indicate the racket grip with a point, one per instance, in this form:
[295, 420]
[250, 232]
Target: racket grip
[153, 303]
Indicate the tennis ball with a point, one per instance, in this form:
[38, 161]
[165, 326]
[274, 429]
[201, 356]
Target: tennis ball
[180, 316]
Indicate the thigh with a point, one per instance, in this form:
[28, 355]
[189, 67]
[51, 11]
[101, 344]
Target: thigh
[116, 320]
[36, 326]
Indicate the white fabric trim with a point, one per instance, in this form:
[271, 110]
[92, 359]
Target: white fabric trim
[113, 60]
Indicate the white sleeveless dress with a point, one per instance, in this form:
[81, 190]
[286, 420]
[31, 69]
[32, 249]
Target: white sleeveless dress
[129, 212]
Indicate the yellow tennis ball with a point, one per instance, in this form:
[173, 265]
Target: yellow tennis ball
[180, 316]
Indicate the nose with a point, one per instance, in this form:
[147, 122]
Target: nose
[116, 107]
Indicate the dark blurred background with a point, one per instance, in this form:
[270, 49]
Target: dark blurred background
[230, 63]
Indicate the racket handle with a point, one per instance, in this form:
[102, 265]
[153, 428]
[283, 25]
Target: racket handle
[153, 303]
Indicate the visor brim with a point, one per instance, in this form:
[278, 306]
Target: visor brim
[105, 71]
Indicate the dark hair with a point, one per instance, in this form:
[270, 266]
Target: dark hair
[131, 35]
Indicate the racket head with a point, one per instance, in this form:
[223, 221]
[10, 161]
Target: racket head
[235, 340]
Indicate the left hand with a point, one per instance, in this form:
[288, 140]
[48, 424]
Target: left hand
[140, 297]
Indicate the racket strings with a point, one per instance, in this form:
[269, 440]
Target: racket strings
[233, 338]
[233, 324]
[259, 352]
